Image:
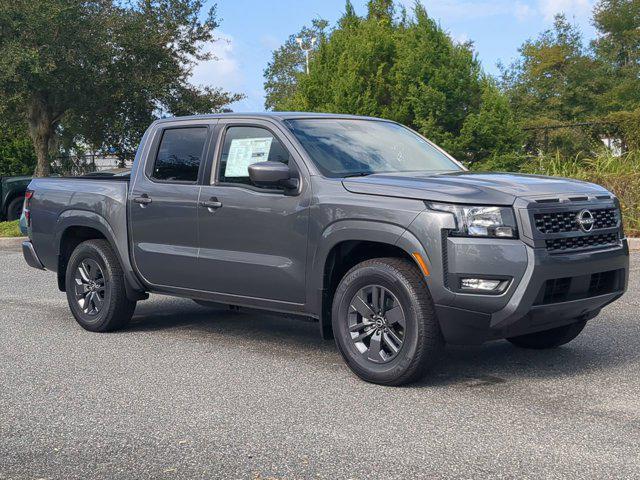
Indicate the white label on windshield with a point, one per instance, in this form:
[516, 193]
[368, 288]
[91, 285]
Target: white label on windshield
[245, 151]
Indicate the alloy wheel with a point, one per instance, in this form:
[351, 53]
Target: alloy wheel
[376, 323]
[90, 287]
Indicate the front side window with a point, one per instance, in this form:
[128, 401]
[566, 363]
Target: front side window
[244, 146]
[180, 154]
[348, 147]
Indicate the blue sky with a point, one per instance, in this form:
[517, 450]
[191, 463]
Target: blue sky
[251, 29]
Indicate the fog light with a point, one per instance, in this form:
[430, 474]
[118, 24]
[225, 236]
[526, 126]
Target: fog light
[483, 285]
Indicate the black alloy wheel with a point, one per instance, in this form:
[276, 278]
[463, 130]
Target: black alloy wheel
[91, 289]
[377, 323]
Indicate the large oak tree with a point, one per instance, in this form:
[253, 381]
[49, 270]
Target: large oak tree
[103, 69]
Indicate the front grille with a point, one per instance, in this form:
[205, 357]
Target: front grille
[566, 289]
[584, 242]
[560, 222]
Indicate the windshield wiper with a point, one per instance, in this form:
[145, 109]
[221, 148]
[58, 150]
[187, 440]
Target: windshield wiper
[357, 174]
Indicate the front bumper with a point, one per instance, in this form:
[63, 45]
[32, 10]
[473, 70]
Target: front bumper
[528, 305]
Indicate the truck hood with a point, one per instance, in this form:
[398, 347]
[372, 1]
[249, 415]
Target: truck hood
[468, 187]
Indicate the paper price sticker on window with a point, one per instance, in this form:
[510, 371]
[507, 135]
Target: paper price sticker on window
[245, 151]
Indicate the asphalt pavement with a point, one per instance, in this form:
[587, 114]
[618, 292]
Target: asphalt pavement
[190, 392]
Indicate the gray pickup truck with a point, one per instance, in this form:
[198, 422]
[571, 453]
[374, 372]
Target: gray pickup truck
[359, 223]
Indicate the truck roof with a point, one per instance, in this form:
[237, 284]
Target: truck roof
[269, 115]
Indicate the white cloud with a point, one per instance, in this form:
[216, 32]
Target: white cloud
[461, 38]
[521, 10]
[221, 71]
[448, 10]
[270, 42]
[580, 9]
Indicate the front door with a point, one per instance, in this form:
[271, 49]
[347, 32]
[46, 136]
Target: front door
[163, 207]
[253, 241]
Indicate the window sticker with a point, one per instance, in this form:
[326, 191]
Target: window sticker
[245, 151]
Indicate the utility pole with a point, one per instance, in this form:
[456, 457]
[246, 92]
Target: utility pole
[306, 50]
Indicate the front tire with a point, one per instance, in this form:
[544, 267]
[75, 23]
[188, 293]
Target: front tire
[549, 338]
[384, 322]
[95, 288]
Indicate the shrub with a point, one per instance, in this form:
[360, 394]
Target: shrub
[510, 162]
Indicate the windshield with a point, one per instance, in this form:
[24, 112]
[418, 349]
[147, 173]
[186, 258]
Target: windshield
[346, 147]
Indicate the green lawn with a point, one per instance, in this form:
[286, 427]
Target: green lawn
[10, 229]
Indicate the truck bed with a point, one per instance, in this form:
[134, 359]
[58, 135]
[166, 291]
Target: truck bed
[62, 201]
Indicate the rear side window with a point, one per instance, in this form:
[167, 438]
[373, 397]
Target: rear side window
[180, 154]
[244, 146]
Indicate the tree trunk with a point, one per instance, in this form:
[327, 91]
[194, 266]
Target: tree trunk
[42, 124]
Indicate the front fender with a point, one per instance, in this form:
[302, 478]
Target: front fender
[359, 230]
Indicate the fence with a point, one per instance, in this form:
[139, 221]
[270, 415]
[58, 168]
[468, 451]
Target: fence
[82, 164]
[574, 138]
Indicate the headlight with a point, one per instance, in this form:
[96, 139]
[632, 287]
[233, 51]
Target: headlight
[480, 221]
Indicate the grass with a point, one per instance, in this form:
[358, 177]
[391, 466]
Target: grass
[10, 229]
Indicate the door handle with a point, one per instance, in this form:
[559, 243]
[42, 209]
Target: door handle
[211, 204]
[143, 199]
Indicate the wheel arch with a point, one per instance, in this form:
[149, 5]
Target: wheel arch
[76, 226]
[347, 243]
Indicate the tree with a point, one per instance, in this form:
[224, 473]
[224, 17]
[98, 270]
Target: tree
[400, 67]
[557, 82]
[438, 82]
[555, 78]
[103, 67]
[288, 62]
[16, 151]
[350, 71]
[617, 46]
[494, 130]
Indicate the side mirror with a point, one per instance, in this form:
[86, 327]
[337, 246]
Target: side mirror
[272, 174]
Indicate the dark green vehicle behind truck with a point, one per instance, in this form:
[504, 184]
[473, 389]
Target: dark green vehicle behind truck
[12, 196]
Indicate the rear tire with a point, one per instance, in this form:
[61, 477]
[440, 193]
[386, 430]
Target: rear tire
[398, 345]
[14, 210]
[95, 288]
[549, 338]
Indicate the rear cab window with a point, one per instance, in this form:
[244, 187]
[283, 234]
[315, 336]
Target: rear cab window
[180, 155]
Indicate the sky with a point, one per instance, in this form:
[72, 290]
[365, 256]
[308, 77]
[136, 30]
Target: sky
[251, 29]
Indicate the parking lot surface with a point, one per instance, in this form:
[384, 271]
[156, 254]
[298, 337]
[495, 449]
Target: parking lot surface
[191, 392]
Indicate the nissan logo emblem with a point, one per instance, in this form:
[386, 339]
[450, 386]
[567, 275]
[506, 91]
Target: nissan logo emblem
[585, 220]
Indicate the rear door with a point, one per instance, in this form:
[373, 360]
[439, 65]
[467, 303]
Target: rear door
[253, 241]
[163, 205]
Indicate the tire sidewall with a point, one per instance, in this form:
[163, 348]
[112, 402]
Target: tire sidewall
[14, 210]
[83, 252]
[384, 275]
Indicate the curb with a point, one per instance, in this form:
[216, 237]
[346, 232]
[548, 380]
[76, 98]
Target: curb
[12, 241]
[634, 243]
